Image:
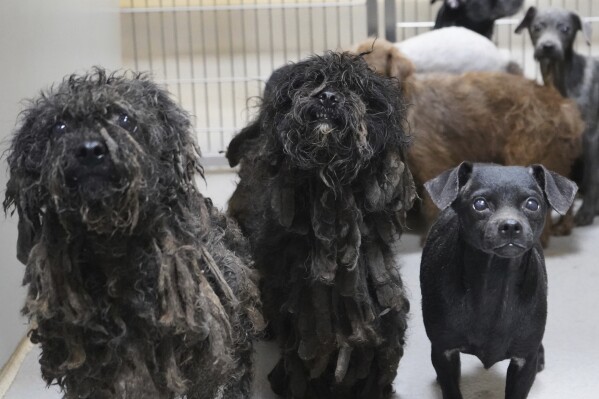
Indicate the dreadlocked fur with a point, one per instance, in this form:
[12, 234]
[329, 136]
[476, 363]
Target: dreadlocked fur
[137, 286]
[323, 193]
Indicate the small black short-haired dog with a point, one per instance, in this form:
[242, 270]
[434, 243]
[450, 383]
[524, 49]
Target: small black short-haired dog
[322, 196]
[482, 276]
[137, 286]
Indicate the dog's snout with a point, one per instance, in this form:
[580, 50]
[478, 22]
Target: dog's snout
[510, 227]
[548, 46]
[328, 98]
[91, 152]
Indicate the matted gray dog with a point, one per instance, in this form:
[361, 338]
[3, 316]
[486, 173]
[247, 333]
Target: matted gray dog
[482, 276]
[553, 32]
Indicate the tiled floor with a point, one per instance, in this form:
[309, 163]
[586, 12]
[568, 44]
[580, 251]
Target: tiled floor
[572, 350]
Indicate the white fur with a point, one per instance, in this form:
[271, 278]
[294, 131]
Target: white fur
[453, 50]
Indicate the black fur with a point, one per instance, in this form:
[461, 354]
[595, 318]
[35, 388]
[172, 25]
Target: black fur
[476, 15]
[323, 193]
[482, 275]
[137, 286]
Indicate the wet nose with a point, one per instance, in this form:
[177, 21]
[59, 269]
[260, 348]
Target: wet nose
[91, 152]
[328, 98]
[510, 228]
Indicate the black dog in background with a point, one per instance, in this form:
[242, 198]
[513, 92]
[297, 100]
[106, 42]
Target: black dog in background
[483, 277]
[137, 286]
[323, 193]
[476, 15]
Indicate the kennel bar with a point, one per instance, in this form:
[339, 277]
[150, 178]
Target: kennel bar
[215, 55]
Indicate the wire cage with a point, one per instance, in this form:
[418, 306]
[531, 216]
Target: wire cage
[215, 55]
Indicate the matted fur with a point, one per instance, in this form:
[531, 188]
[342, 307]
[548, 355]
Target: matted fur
[323, 201]
[137, 286]
[484, 117]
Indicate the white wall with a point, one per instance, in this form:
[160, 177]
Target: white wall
[40, 42]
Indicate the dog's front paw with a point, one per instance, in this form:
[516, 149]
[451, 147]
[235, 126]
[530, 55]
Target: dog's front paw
[584, 216]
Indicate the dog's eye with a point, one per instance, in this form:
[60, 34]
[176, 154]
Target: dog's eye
[59, 128]
[532, 204]
[565, 29]
[480, 204]
[127, 123]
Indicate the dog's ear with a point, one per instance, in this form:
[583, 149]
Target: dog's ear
[28, 227]
[238, 145]
[398, 65]
[558, 190]
[585, 27]
[528, 17]
[444, 188]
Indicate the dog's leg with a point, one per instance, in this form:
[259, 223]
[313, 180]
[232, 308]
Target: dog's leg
[590, 181]
[447, 366]
[521, 374]
[541, 359]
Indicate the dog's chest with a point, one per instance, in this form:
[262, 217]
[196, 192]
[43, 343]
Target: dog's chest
[492, 321]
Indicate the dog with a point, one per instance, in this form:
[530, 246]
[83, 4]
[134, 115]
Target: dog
[553, 32]
[322, 195]
[482, 274]
[484, 117]
[137, 286]
[476, 15]
[448, 50]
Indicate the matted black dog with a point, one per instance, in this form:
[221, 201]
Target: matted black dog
[483, 277]
[323, 193]
[137, 286]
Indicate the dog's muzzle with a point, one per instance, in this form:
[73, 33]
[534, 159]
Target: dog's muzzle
[90, 161]
[91, 153]
[548, 50]
[508, 238]
[327, 105]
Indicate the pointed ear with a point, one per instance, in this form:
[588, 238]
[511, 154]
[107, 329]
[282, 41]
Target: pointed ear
[585, 27]
[559, 191]
[444, 188]
[528, 17]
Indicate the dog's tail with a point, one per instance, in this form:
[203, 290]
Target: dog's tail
[238, 145]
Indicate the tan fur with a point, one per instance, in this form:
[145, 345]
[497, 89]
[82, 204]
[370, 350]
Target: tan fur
[484, 117]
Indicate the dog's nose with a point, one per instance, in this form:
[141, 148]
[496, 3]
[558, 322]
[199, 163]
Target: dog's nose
[548, 46]
[328, 98]
[91, 152]
[510, 228]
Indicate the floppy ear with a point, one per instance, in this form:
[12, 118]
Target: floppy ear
[28, 227]
[525, 23]
[585, 27]
[444, 188]
[237, 147]
[558, 190]
[398, 65]
[176, 123]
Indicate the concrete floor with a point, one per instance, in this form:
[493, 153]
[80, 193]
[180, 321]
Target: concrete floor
[572, 353]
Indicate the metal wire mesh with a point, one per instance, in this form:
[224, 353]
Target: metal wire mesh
[215, 55]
